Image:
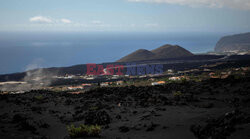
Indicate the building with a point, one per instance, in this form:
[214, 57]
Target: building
[174, 78]
[90, 78]
[170, 71]
[115, 77]
[119, 82]
[158, 83]
[224, 76]
[151, 79]
[104, 84]
[69, 76]
[207, 70]
[75, 87]
[143, 76]
[75, 93]
[86, 85]
[245, 68]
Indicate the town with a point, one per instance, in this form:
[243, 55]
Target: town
[76, 84]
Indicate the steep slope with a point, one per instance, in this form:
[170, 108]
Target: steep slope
[170, 51]
[138, 55]
[238, 42]
[163, 52]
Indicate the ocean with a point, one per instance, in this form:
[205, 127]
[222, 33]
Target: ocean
[21, 51]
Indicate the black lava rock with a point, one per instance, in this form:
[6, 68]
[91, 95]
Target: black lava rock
[97, 118]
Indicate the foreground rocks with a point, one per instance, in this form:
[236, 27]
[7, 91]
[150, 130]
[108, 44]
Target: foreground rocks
[207, 109]
[221, 127]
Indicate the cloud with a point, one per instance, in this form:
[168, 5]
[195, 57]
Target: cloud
[65, 21]
[40, 19]
[234, 4]
[49, 20]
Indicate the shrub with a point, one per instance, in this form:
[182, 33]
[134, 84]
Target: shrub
[84, 131]
[94, 108]
[177, 93]
[39, 97]
[183, 80]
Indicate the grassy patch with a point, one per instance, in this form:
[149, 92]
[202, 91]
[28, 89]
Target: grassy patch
[84, 131]
[94, 108]
[39, 97]
[177, 93]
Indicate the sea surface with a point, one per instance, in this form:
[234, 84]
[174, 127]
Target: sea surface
[21, 51]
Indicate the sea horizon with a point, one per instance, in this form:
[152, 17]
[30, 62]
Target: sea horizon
[22, 51]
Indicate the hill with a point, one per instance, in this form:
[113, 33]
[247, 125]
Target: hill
[138, 55]
[237, 43]
[163, 52]
[170, 51]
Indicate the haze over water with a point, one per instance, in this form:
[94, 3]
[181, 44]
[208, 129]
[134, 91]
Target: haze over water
[23, 51]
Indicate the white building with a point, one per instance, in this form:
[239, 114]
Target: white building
[174, 78]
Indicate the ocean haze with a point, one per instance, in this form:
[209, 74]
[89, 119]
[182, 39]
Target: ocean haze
[21, 51]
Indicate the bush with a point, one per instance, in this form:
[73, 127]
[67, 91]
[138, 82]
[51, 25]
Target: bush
[94, 108]
[39, 97]
[177, 93]
[84, 131]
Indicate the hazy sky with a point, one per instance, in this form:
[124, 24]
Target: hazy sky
[125, 15]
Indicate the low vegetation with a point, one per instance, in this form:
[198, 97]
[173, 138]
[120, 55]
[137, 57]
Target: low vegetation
[39, 97]
[84, 131]
[177, 95]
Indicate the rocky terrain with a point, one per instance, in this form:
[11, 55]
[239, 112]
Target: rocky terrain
[214, 108]
[237, 43]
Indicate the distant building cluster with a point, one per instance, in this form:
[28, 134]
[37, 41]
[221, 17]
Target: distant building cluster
[170, 75]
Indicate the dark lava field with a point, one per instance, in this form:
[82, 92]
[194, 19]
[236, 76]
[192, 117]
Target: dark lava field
[214, 108]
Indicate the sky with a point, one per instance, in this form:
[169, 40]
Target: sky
[125, 15]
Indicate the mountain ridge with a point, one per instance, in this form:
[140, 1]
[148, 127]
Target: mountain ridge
[162, 52]
[236, 42]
